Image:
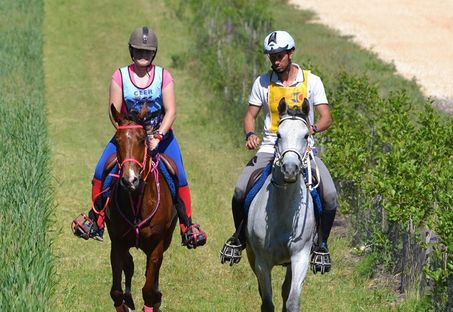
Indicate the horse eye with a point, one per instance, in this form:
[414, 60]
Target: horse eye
[278, 135]
[306, 136]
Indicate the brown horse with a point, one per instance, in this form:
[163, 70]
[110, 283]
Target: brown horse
[141, 213]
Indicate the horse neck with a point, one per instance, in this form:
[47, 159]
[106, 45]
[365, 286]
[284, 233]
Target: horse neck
[290, 206]
[133, 204]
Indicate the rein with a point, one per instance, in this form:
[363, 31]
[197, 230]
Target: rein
[136, 204]
[305, 161]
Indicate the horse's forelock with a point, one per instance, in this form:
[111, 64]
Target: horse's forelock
[296, 111]
[133, 117]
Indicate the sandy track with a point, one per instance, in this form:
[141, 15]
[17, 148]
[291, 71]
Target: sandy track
[417, 36]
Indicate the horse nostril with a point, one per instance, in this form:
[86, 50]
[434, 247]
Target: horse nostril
[135, 181]
[124, 181]
[290, 169]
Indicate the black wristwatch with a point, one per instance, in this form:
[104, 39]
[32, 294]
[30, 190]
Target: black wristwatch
[247, 136]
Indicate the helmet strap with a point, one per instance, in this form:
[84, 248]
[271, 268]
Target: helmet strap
[130, 52]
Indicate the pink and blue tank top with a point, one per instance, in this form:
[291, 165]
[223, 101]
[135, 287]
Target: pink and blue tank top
[134, 97]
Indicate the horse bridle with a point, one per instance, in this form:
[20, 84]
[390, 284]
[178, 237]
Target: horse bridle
[279, 156]
[135, 205]
[142, 164]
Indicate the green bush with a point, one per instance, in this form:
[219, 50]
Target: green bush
[398, 166]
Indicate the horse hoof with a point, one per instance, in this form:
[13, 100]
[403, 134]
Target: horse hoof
[123, 308]
[128, 301]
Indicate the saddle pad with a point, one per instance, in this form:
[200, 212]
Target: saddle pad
[169, 178]
[317, 204]
[256, 187]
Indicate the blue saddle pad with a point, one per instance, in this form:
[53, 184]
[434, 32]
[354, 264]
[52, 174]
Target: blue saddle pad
[169, 178]
[317, 204]
[256, 187]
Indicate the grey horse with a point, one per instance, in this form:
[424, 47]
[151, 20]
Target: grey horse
[281, 221]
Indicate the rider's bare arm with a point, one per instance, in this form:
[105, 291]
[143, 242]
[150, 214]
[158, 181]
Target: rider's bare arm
[324, 118]
[252, 140]
[115, 98]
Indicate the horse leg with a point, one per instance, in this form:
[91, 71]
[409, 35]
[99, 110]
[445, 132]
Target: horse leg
[263, 274]
[286, 287]
[117, 256]
[150, 291]
[299, 268]
[128, 273]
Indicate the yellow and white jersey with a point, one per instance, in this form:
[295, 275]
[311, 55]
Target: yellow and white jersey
[267, 91]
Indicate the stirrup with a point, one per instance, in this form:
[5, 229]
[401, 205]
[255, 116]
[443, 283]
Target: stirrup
[84, 227]
[231, 251]
[320, 260]
[193, 237]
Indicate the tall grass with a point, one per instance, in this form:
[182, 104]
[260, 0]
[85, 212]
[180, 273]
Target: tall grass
[26, 261]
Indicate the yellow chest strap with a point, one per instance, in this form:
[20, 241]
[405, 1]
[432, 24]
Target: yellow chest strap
[294, 96]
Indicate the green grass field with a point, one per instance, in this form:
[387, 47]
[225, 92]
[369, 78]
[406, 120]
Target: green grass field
[84, 42]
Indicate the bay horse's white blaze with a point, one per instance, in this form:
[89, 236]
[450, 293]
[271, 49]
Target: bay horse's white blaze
[281, 218]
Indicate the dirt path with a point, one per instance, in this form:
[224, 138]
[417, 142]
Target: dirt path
[417, 36]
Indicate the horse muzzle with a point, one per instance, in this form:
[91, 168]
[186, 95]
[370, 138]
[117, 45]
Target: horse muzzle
[130, 181]
[290, 172]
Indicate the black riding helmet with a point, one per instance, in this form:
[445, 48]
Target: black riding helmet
[143, 38]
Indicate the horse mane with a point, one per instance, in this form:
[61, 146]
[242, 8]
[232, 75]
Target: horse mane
[133, 117]
[299, 111]
[295, 111]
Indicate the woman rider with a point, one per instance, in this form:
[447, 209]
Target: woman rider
[132, 86]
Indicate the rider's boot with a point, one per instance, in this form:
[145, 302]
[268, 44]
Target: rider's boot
[191, 234]
[321, 261]
[232, 249]
[91, 226]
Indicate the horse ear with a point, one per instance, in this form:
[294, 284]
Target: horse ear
[305, 107]
[282, 107]
[117, 116]
[144, 111]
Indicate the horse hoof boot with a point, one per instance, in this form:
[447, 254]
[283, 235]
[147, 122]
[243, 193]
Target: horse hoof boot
[231, 251]
[320, 261]
[193, 237]
[81, 226]
[85, 228]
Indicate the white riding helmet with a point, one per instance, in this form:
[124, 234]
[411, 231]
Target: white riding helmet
[278, 41]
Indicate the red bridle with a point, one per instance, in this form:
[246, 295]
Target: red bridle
[142, 164]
